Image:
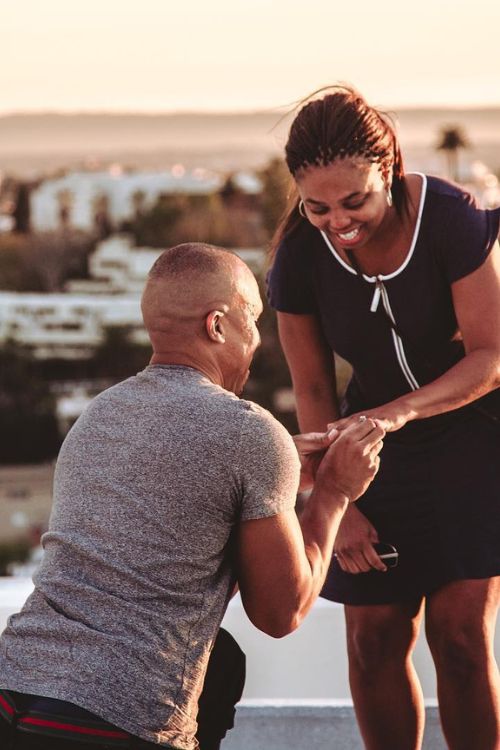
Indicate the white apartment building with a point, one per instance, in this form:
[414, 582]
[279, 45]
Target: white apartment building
[116, 267]
[72, 324]
[67, 326]
[78, 195]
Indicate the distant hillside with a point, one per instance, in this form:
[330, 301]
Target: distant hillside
[38, 142]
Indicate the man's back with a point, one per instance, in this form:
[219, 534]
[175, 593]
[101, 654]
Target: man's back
[137, 572]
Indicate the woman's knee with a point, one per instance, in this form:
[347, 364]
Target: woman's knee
[460, 627]
[458, 650]
[381, 640]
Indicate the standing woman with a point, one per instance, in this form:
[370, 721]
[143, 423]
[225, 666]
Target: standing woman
[400, 275]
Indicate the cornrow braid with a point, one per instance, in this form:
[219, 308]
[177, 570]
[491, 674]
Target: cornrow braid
[338, 125]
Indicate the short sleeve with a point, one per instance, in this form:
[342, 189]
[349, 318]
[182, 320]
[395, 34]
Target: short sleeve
[289, 287]
[470, 233]
[268, 467]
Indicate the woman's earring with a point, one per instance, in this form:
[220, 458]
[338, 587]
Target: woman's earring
[389, 197]
[302, 210]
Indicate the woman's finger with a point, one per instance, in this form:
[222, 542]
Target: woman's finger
[311, 442]
[352, 562]
[373, 560]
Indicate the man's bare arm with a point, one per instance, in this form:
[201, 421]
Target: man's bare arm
[283, 561]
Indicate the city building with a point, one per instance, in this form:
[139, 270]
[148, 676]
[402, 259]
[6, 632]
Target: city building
[78, 200]
[116, 267]
[70, 325]
[67, 326]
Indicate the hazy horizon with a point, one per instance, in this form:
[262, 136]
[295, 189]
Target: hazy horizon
[35, 143]
[281, 110]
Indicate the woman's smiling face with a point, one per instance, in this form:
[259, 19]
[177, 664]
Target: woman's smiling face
[347, 199]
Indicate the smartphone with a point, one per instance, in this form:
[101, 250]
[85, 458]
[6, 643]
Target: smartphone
[387, 552]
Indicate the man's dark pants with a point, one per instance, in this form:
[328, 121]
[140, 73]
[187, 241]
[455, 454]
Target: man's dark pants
[223, 687]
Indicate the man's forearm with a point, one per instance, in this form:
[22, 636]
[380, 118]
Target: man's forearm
[283, 560]
[319, 523]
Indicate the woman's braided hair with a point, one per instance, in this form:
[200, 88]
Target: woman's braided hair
[341, 124]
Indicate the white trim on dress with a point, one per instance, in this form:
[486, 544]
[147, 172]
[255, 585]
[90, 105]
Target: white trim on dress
[384, 277]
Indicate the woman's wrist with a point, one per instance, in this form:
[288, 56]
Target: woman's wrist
[405, 410]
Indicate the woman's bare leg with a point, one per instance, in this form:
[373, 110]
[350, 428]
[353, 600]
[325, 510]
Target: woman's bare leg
[460, 625]
[385, 689]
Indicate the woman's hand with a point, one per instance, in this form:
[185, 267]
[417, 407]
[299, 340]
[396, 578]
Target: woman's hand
[311, 447]
[354, 543]
[391, 416]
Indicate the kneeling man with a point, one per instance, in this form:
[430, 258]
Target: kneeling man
[169, 489]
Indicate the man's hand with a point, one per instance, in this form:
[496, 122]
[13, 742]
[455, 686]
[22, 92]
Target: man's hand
[311, 447]
[352, 460]
[283, 560]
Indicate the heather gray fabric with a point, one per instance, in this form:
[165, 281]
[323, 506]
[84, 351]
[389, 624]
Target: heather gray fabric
[137, 573]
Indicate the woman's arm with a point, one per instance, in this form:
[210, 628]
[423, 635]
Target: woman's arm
[476, 299]
[312, 369]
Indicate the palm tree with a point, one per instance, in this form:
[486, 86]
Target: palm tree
[452, 139]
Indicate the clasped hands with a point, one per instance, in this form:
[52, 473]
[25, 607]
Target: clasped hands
[347, 454]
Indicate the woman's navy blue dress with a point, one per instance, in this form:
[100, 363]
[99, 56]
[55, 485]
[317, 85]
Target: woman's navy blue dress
[436, 497]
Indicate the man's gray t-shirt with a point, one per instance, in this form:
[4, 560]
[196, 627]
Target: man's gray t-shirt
[149, 486]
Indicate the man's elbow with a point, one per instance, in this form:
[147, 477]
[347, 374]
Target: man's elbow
[277, 626]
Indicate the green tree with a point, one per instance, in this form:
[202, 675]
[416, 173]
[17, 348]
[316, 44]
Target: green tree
[17, 551]
[16, 272]
[118, 357]
[269, 371]
[28, 425]
[43, 262]
[21, 211]
[203, 220]
[153, 227]
[59, 256]
[277, 184]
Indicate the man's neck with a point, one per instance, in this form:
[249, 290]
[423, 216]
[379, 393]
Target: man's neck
[181, 359]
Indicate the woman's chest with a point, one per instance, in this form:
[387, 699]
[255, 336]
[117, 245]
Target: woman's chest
[360, 315]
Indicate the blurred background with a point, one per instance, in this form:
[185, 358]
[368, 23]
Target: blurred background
[128, 127]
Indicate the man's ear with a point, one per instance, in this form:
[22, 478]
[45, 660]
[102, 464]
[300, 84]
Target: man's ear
[215, 327]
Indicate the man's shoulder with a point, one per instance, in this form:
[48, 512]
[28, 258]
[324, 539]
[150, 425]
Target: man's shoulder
[258, 414]
[260, 428]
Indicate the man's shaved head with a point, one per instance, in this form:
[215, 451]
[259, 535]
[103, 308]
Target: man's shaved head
[185, 283]
[190, 257]
[188, 285]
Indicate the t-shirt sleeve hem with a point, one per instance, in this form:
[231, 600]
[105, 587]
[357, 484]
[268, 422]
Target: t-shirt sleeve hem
[267, 467]
[254, 513]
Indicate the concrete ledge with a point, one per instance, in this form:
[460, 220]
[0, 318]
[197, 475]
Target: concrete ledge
[309, 725]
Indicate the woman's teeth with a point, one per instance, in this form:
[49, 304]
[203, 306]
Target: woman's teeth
[349, 235]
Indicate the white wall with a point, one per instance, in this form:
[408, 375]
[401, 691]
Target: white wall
[308, 664]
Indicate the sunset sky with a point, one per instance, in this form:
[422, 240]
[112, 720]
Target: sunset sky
[165, 55]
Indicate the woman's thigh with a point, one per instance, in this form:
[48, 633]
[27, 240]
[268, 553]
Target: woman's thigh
[465, 613]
